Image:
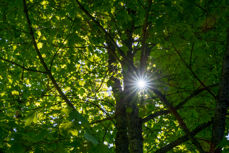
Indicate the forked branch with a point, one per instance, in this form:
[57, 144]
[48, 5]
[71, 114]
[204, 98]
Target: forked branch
[21, 66]
[192, 72]
[183, 138]
[64, 97]
[179, 106]
[179, 119]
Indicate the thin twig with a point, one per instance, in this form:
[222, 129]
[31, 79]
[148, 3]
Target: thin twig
[102, 120]
[192, 72]
[23, 67]
[64, 97]
[179, 106]
[178, 118]
[183, 138]
[103, 30]
[107, 34]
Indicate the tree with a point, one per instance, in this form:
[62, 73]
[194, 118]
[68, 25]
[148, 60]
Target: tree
[69, 71]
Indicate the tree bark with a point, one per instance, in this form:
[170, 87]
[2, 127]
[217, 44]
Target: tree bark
[121, 139]
[221, 103]
[134, 127]
[132, 111]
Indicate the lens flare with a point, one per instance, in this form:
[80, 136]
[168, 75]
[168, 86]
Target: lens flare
[141, 84]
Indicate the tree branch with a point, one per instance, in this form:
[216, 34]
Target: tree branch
[190, 58]
[21, 66]
[145, 51]
[102, 120]
[195, 93]
[156, 114]
[103, 30]
[164, 112]
[183, 138]
[126, 59]
[64, 97]
[101, 84]
[193, 73]
[178, 118]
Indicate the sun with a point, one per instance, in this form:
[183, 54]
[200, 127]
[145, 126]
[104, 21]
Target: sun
[141, 84]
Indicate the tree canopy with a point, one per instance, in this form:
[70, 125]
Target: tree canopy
[69, 71]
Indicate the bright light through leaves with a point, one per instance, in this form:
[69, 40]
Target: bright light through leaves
[141, 84]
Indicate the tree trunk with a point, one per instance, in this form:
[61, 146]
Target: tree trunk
[134, 122]
[121, 140]
[221, 103]
[134, 127]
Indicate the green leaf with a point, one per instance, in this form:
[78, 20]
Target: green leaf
[32, 117]
[91, 138]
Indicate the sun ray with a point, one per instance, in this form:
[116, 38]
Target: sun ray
[140, 83]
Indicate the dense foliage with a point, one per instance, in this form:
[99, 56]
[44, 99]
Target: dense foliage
[68, 71]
